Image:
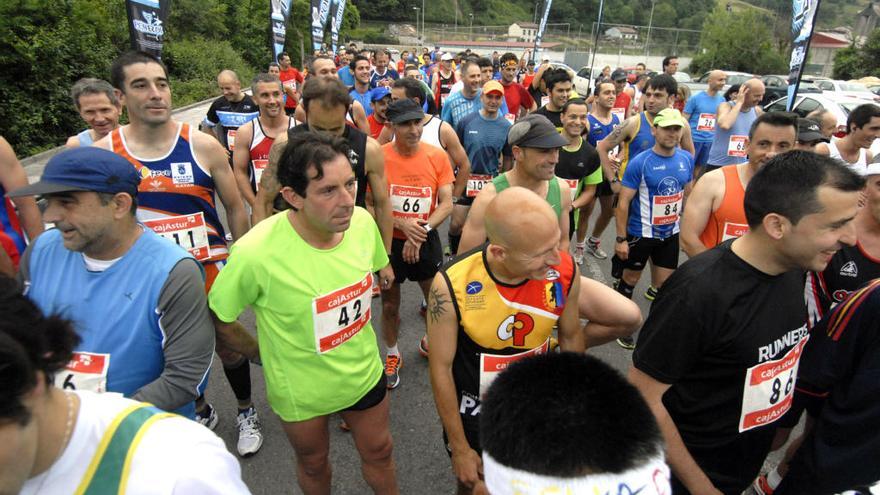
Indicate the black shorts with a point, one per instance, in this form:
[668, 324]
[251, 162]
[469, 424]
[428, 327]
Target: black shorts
[430, 258]
[465, 200]
[663, 253]
[290, 112]
[471, 434]
[371, 398]
[604, 188]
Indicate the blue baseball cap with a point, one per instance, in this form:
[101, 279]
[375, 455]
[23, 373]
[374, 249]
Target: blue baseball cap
[84, 169]
[379, 92]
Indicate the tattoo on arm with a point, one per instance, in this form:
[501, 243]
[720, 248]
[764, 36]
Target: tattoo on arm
[436, 305]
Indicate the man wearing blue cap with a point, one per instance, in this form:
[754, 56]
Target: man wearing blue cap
[380, 97]
[138, 301]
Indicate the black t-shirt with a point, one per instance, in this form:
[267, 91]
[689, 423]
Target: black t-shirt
[555, 117]
[849, 269]
[576, 165]
[229, 116]
[715, 320]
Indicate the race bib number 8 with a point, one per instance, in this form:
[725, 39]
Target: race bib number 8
[493, 364]
[476, 183]
[666, 209]
[187, 231]
[341, 314]
[706, 122]
[85, 371]
[769, 389]
[737, 146]
[411, 202]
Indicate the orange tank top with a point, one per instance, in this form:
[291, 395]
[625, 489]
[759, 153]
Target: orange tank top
[729, 220]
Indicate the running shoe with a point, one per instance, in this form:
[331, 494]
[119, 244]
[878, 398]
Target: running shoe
[208, 418]
[423, 308]
[392, 370]
[579, 254]
[250, 435]
[627, 343]
[651, 293]
[760, 486]
[594, 249]
[423, 346]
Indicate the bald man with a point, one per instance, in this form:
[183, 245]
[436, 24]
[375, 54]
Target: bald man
[230, 111]
[493, 306]
[734, 119]
[700, 113]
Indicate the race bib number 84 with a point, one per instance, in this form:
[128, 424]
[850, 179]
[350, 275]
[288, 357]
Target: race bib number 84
[769, 389]
[340, 315]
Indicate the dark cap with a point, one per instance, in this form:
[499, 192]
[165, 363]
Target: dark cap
[618, 75]
[84, 169]
[404, 110]
[535, 131]
[809, 130]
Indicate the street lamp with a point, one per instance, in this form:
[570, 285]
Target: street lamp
[650, 21]
[471, 29]
[422, 38]
[417, 21]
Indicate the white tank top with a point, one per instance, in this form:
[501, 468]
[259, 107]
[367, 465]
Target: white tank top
[259, 135]
[860, 165]
[431, 132]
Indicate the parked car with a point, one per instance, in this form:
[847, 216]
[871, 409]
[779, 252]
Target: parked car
[682, 77]
[846, 88]
[733, 77]
[776, 86]
[837, 104]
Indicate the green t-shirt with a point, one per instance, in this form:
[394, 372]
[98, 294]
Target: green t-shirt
[317, 345]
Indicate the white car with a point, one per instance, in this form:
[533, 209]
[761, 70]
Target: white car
[579, 83]
[857, 90]
[837, 104]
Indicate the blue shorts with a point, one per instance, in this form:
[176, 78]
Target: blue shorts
[701, 157]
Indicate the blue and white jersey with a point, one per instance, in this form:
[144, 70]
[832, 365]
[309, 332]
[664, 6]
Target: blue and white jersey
[659, 181]
[229, 116]
[598, 131]
[456, 107]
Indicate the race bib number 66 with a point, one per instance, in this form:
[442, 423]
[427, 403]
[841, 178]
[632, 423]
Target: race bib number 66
[769, 389]
[340, 315]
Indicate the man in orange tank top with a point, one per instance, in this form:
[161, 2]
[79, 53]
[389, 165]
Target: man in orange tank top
[714, 212]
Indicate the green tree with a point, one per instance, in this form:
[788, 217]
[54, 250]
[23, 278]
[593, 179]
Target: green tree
[857, 62]
[737, 41]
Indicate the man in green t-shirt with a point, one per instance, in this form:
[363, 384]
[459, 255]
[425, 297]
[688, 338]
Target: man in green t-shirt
[307, 273]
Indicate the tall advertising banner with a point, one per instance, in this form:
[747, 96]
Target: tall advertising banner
[803, 19]
[278, 16]
[536, 53]
[336, 12]
[320, 12]
[146, 24]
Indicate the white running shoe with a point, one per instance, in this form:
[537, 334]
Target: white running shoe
[250, 436]
[210, 419]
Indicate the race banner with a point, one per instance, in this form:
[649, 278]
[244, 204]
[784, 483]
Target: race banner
[146, 24]
[336, 12]
[803, 19]
[320, 11]
[536, 53]
[278, 16]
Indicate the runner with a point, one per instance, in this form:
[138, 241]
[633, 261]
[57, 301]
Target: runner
[700, 114]
[420, 186]
[291, 79]
[714, 211]
[466, 101]
[307, 275]
[519, 101]
[443, 79]
[329, 100]
[230, 111]
[623, 100]
[360, 66]
[862, 128]
[182, 170]
[649, 207]
[380, 97]
[16, 227]
[494, 305]
[827, 121]
[558, 83]
[151, 336]
[275, 70]
[733, 120]
[250, 161]
[601, 122]
[484, 136]
[52, 436]
[718, 395]
[569, 393]
[383, 75]
[322, 66]
[670, 65]
[809, 135]
[98, 106]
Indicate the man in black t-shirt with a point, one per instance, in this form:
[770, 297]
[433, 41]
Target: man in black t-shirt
[577, 161]
[558, 83]
[718, 355]
[230, 111]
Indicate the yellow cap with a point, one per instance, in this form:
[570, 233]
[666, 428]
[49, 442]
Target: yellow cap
[669, 117]
[493, 85]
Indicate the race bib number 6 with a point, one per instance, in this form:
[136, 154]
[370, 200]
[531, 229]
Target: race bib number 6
[411, 202]
[85, 371]
[187, 231]
[769, 389]
[341, 314]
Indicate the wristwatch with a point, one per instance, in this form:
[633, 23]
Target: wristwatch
[455, 200]
[427, 227]
[619, 239]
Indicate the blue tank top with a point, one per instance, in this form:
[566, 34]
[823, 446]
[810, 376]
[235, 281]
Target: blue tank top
[484, 140]
[642, 141]
[11, 229]
[598, 131]
[85, 138]
[728, 147]
[114, 311]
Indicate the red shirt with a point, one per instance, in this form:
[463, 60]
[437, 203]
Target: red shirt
[375, 126]
[516, 97]
[290, 78]
[621, 104]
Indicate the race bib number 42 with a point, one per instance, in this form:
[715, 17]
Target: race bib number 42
[187, 231]
[493, 364]
[411, 202]
[666, 209]
[341, 314]
[476, 183]
[85, 371]
[769, 389]
[737, 146]
[706, 122]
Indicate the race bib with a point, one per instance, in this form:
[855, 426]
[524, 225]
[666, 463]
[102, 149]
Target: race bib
[769, 389]
[230, 139]
[411, 202]
[85, 371]
[476, 183]
[666, 209]
[187, 231]
[290, 83]
[733, 230]
[706, 122]
[737, 146]
[340, 315]
[259, 167]
[620, 112]
[572, 187]
[510, 117]
[492, 364]
[545, 100]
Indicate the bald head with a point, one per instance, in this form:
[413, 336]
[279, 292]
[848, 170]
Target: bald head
[230, 85]
[518, 218]
[755, 84]
[227, 76]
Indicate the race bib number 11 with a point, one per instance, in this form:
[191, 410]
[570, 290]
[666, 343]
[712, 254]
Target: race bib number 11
[187, 231]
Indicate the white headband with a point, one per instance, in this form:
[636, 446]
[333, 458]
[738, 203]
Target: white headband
[651, 478]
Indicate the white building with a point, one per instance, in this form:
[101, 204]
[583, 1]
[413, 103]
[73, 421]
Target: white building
[624, 32]
[522, 31]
